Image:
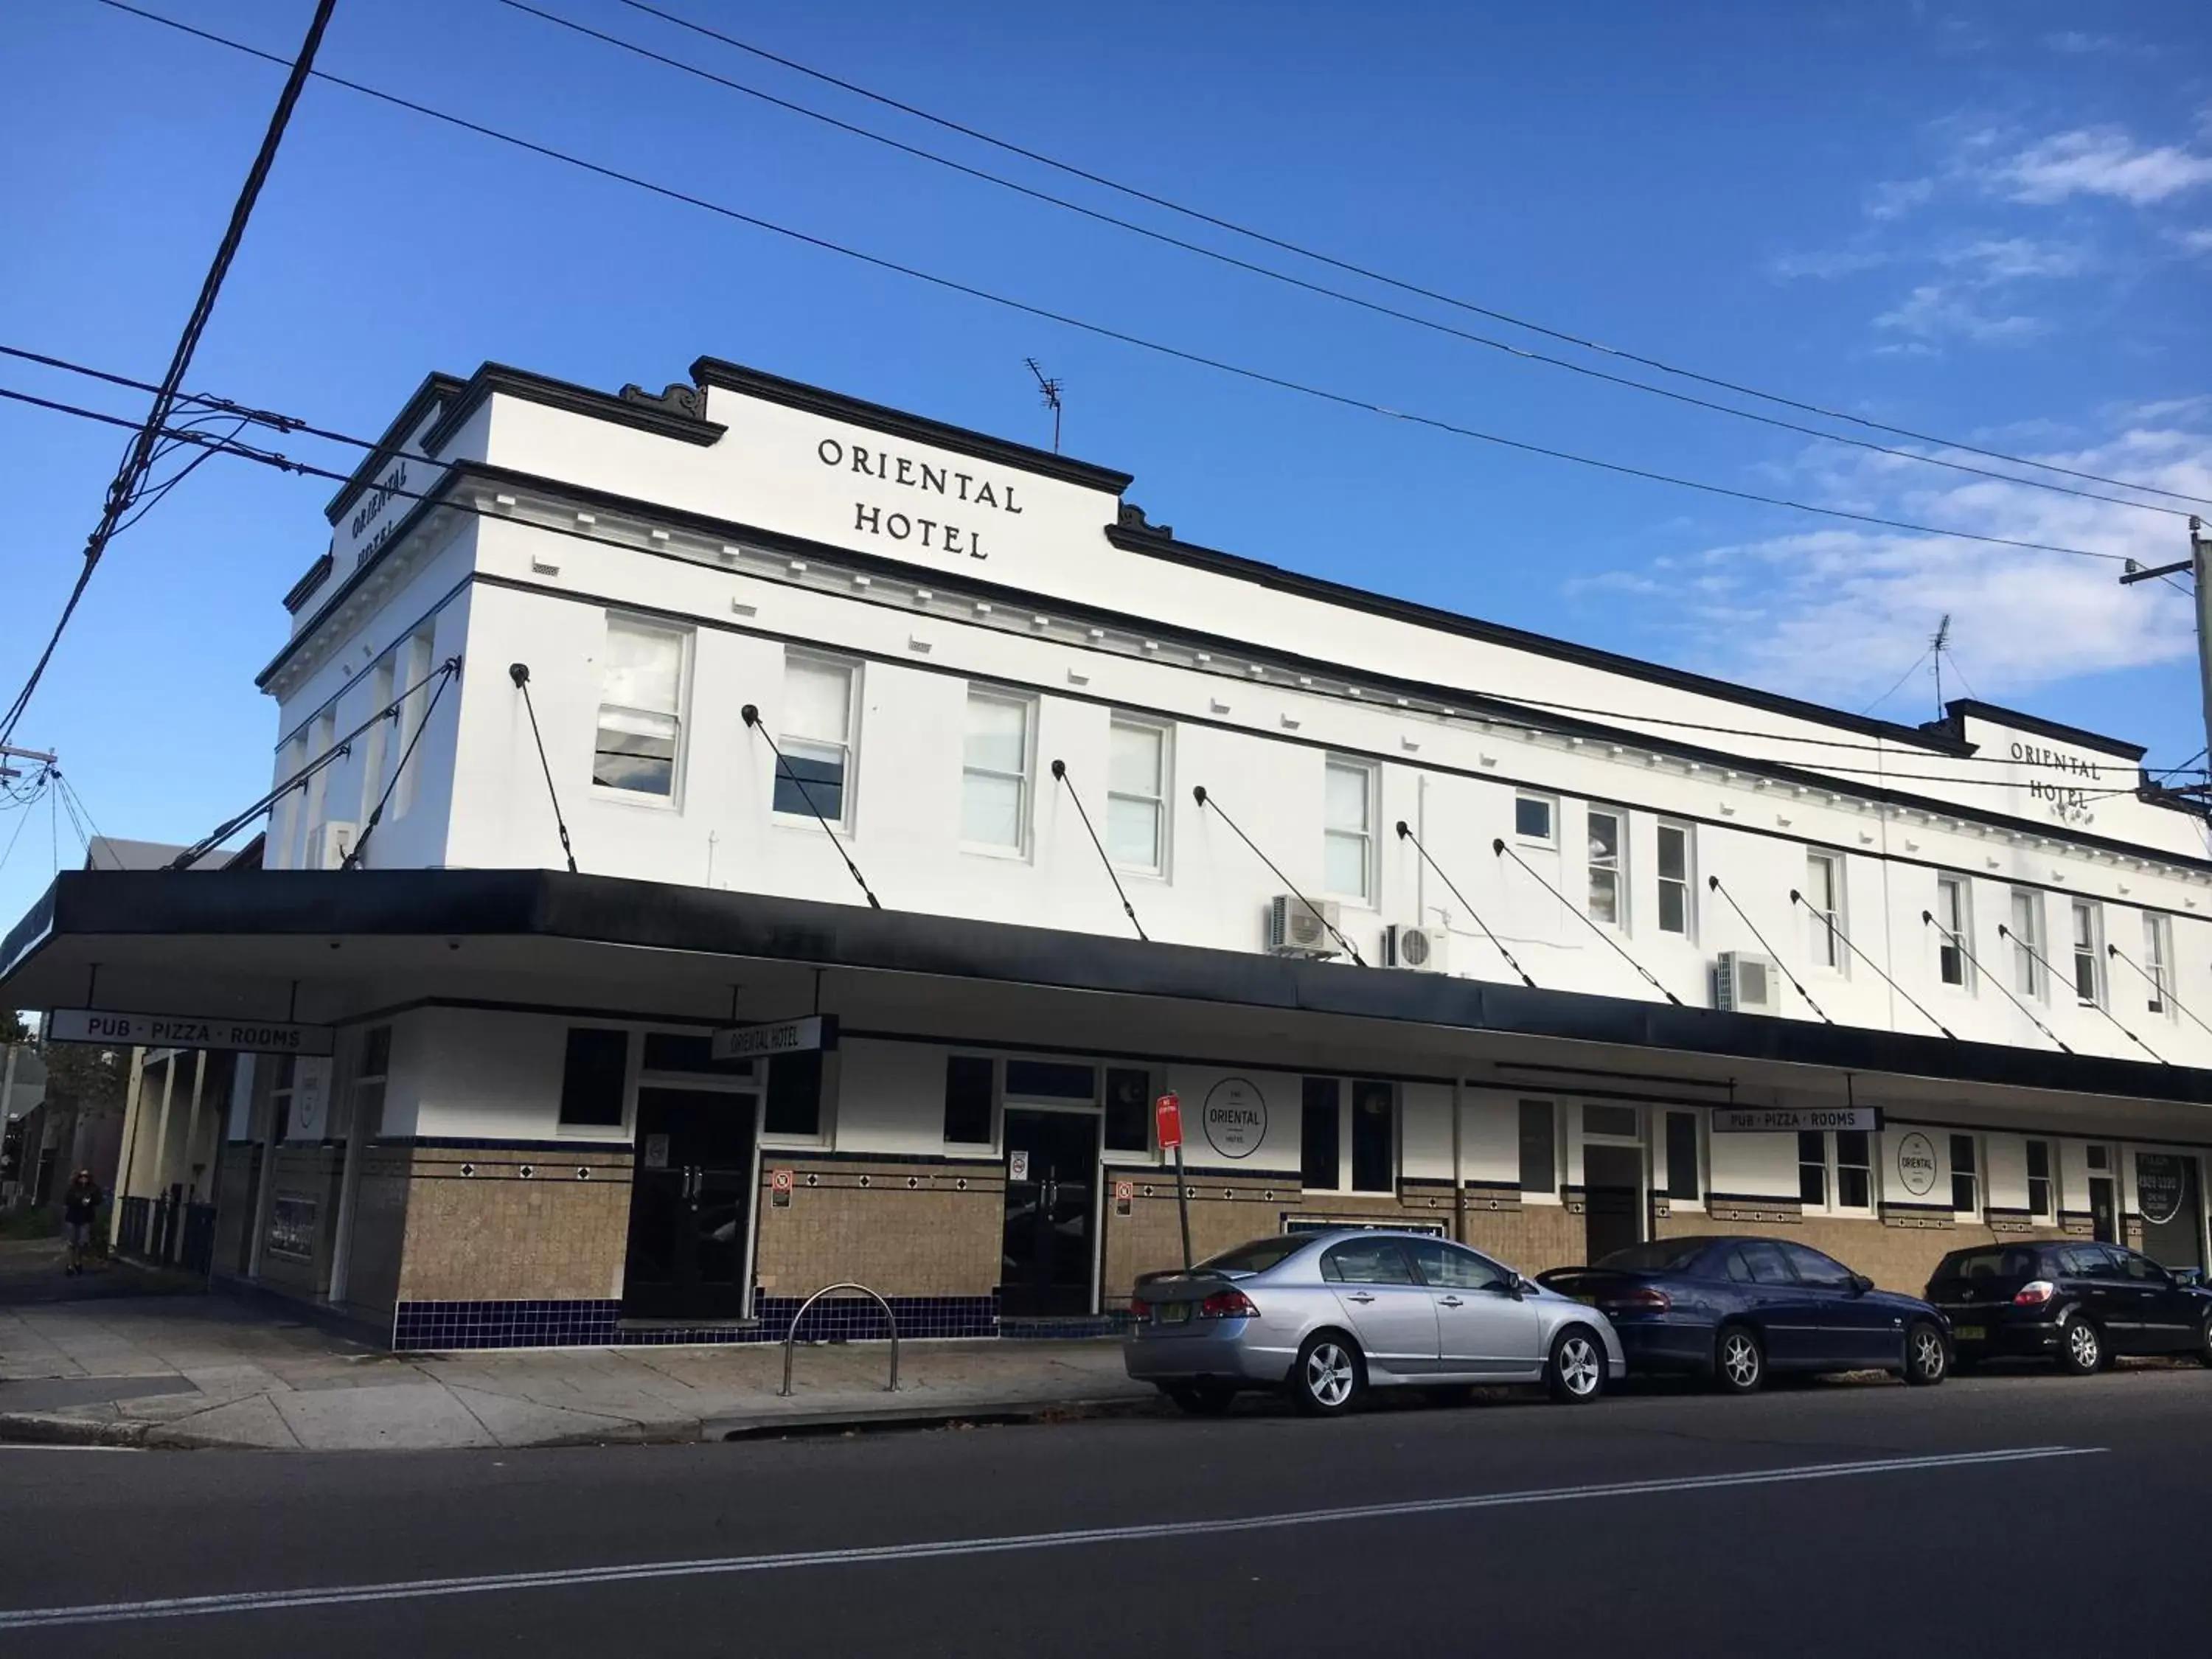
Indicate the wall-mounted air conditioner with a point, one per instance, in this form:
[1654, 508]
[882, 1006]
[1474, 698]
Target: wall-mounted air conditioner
[1422, 949]
[1747, 984]
[1296, 928]
[328, 843]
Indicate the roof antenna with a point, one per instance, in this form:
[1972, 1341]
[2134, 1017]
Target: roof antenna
[1051, 390]
[1938, 645]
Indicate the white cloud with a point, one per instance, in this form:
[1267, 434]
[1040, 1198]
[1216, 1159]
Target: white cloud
[1895, 197]
[1934, 312]
[2193, 241]
[1842, 262]
[1834, 613]
[2013, 258]
[2100, 161]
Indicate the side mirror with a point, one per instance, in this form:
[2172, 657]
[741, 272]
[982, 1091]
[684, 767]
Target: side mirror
[1517, 1287]
[1861, 1284]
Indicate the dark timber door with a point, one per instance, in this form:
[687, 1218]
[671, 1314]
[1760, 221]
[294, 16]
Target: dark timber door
[1052, 1174]
[691, 1205]
[1612, 1200]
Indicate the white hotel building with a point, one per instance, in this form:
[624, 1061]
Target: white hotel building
[1543, 947]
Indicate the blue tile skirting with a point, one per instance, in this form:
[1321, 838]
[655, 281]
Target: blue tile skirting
[596, 1323]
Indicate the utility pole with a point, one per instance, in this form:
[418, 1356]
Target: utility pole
[2200, 553]
[8, 753]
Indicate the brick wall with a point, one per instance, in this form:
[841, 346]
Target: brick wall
[513, 1225]
[903, 1228]
[308, 1170]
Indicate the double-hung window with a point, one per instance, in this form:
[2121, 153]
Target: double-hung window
[1137, 796]
[2158, 956]
[1348, 834]
[640, 709]
[2026, 930]
[994, 780]
[1951, 930]
[815, 777]
[2088, 953]
[1675, 890]
[1966, 1194]
[1368, 1133]
[1604, 855]
[1835, 1169]
[1824, 901]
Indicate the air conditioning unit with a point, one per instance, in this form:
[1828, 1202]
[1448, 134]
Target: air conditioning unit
[1296, 928]
[1747, 984]
[1421, 949]
[328, 843]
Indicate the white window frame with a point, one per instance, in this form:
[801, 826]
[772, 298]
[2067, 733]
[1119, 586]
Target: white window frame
[1687, 881]
[2025, 951]
[1592, 865]
[1827, 928]
[1551, 806]
[1954, 926]
[1159, 801]
[2092, 951]
[2158, 964]
[851, 670]
[673, 800]
[1026, 778]
[1371, 793]
[1832, 1186]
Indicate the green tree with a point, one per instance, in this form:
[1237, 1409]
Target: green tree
[84, 1075]
[12, 1029]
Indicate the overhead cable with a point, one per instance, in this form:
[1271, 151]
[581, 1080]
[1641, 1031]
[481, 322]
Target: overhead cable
[122, 492]
[1320, 289]
[1373, 274]
[1199, 358]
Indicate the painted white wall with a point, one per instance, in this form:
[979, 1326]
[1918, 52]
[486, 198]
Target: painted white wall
[1755, 1166]
[891, 1098]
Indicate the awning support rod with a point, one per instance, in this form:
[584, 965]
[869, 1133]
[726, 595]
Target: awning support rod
[1714, 882]
[1059, 773]
[2004, 931]
[1928, 918]
[1837, 933]
[1199, 795]
[450, 670]
[520, 674]
[2165, 992]
[1404, 833]
[751, 715]
[1499, 846]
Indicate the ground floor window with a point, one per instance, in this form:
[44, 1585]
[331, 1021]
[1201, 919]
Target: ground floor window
[1965, 1178]
[594, 1078]
[1342, 1122]
[1835, 1169]
[968, 1093]
[1540, 1149]
[2042, 1202]
[1682, 1156]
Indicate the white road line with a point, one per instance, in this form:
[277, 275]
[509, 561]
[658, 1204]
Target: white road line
[412, 1589]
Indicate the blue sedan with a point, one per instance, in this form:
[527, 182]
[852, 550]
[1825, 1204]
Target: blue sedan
[1735, 1308]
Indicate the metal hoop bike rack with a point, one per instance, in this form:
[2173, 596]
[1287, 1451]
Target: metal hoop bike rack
[791, 1336]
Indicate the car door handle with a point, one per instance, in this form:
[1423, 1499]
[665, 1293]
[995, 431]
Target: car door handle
[1449, 1301]
[1359, 1296]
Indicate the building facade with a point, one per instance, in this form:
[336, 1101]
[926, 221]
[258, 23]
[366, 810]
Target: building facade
[1045, 812]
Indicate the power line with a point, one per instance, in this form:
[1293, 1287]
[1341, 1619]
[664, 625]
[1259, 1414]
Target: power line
[1307, 389]
[1320, 289]
[1508, 714]
[122, 492]
[1203, 217]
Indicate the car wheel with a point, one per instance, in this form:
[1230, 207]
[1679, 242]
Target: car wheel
[1577, 1374]
[1927, 1361]
[2081, 1345]
[1201, 1399]
[1739, 1361]
[2205, 1341]
[1329, 1375]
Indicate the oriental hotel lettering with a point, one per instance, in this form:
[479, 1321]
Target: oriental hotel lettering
[2064, 800]
[978, 497]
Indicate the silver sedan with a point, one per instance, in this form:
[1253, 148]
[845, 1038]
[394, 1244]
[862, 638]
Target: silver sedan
[1324, 1316]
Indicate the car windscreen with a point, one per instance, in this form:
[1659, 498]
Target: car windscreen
[1661, 1255]
[1996, 1262]
[1256, 1257]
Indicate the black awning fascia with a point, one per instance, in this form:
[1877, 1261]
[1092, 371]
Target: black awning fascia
[656, 915]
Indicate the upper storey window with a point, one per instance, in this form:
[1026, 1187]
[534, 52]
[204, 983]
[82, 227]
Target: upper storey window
[640, 702]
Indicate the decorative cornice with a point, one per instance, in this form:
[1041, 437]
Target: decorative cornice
[651, 415]
[436, 389]
[317, 573]
[1958, 708]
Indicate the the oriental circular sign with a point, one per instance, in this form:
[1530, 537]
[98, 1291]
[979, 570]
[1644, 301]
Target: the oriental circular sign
[2161, 1179]
[1915, 1164]
[1235, 1118]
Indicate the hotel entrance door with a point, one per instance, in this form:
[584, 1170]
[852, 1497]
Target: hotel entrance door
[691, 1205]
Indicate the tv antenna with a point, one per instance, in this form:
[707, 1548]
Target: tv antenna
[1937, 646]
[1051, 390]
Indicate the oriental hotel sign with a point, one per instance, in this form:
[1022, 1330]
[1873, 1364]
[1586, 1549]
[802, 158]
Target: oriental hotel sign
[947, 512]
[2068, 793]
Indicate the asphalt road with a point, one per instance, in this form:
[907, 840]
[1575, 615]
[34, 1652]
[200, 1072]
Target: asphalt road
[2024, 1515]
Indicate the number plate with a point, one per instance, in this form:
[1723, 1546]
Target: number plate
[1175, 1313]
[1971, 1332]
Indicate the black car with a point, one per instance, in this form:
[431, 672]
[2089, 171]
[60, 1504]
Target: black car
[2076, 1302]
[1735, 1309]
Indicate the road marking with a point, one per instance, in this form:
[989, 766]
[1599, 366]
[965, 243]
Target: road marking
[414, 1590]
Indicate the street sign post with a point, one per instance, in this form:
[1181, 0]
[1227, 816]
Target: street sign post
[1168, 1110]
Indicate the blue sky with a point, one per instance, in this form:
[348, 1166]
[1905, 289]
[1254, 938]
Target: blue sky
[1992, 223]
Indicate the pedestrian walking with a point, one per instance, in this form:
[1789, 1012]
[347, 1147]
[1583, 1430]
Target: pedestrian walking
[80, 1208]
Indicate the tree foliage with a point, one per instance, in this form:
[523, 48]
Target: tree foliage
[86, 1074]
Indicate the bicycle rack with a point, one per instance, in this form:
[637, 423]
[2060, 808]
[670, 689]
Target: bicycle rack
[791, 1336]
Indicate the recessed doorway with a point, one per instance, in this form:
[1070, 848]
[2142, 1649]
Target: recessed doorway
[1048, 1250]
[691, 1205]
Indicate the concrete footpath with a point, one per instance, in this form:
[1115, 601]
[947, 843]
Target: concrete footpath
[203, 1371]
